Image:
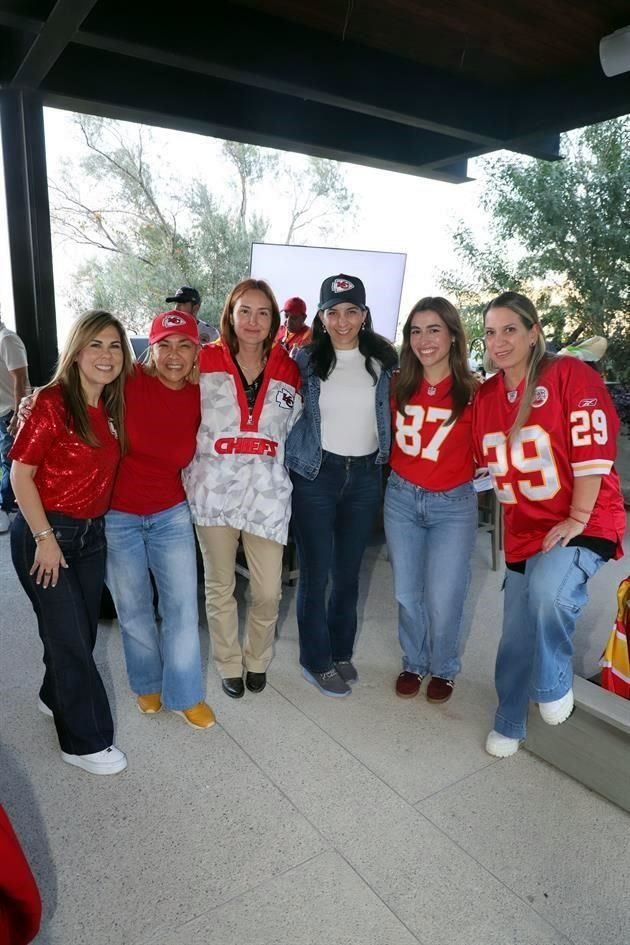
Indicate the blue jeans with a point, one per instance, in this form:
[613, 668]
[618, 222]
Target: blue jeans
[333, 518]
[7, 499]
[430, 537]
[67, 619]
[165, 660]
[535, 654]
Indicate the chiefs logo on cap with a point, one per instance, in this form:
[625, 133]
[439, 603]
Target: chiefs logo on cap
[341, 285]
[171, 321]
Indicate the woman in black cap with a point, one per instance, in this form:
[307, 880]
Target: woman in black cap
[335, 453]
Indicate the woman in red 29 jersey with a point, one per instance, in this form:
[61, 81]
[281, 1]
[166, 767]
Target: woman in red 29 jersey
[547, 430]
[430, 503]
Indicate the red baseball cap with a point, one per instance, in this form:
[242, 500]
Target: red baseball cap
[174, 323]
[295, 306]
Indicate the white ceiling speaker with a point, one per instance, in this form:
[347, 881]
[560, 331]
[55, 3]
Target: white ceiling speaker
[614, 52]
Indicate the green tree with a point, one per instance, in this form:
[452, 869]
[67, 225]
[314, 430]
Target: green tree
[559, 232]
[150, 234]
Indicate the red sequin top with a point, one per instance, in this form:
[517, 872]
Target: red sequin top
[71, 476]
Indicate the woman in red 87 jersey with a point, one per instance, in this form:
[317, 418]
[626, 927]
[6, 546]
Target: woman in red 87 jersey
[546, 429]
[430, 503]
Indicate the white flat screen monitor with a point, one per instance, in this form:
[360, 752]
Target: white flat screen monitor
[300, 270]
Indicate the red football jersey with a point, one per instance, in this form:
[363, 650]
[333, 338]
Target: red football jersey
[427, 451]
[571, 431]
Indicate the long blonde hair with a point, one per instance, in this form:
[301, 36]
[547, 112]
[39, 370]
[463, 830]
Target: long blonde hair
[538, 356]
[67, 376]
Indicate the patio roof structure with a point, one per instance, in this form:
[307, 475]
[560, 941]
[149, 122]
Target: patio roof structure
[417, 88]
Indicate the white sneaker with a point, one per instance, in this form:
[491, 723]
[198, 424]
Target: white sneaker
[43, 708]
[109, 761]
[4, 522]
[500, 746]
[558, 711]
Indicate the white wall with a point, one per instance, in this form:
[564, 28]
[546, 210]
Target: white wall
[300, 270]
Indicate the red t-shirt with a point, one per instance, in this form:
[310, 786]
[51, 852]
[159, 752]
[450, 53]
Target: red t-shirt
[571, 431]
[427, 451]
[161, 427]
[72, 477]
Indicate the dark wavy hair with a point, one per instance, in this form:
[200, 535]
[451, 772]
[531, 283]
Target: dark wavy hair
[411, 370]
[371, 345]
[226, 327]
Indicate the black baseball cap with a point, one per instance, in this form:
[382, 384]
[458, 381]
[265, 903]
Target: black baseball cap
[185, 294]
[341, 288]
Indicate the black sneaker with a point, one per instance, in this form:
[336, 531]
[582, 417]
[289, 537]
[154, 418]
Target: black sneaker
[329, 683]
[347, 671]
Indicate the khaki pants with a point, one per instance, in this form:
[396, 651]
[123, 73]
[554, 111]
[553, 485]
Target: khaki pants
[219, 544]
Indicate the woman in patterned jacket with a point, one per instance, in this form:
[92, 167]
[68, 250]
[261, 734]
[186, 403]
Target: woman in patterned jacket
[237, 485]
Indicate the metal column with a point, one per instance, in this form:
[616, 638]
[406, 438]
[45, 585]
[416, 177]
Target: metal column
[28, 214]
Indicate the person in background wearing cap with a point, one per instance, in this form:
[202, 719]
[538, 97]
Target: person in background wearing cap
[188, 300]
[238, 485]
[149, 529]
[294, 333]
[335, 453]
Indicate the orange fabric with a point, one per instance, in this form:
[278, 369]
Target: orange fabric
[615, 661]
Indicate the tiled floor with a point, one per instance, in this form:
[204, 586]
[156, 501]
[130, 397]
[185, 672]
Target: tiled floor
[301, 820]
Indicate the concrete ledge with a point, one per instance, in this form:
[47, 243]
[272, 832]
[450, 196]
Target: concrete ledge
[593, 746]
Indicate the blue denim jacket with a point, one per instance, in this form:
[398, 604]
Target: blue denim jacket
[304, 444]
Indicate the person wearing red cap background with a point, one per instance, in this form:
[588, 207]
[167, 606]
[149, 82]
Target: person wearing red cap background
[294, 333]
[149, 530]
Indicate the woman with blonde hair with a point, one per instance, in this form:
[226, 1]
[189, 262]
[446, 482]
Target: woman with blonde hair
[65, 459]
[430, 503]
[149, 530]
[547, 430]
[237, 484]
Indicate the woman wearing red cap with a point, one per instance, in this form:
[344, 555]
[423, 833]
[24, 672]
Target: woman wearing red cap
[149, 530]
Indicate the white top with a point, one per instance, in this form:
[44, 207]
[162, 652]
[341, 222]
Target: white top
[12, 357]
[347, 406]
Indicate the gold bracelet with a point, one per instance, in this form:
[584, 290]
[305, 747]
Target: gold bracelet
[39, 536]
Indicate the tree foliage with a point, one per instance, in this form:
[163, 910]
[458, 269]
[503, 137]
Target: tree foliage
[560, 232]
[145, 233]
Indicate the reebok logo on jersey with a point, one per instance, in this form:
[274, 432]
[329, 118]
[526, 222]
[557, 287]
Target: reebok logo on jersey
[341, 285]
[285, 399]
[588, 402]
[541, 396]
[172, 321]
